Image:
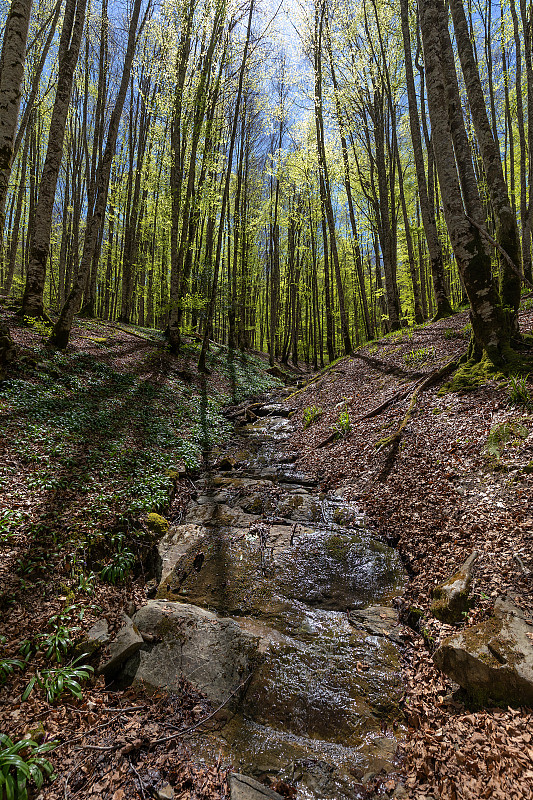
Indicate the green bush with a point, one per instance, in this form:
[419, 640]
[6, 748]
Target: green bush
[311, 414]
[21, 762]
[518, 393]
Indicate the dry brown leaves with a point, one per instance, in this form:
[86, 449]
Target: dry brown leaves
[437, 498]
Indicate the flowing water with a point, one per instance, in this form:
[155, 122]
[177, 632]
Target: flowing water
[299, 570]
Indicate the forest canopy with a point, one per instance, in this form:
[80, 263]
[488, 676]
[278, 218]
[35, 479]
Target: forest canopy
[295, 178]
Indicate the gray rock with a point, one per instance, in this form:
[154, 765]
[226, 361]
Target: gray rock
[451, 598]
[175, 545]
[218, 514]
[377, 621]
[494, 659]
[97, 637]
[244, 788]
[126, 643]
[212, 652]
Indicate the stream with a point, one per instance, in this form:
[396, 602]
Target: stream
[299, 572]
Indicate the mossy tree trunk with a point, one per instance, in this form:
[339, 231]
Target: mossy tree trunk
[507, 234]
[460, 196]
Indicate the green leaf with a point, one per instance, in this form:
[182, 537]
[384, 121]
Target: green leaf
[28, 689]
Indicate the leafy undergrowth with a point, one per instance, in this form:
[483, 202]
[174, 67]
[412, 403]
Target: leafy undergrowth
[460, 478]
[92, 441]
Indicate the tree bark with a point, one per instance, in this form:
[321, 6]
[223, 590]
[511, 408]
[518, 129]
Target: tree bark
[61, 332]
[69, 48]
[444, 308]
[450, 141]
[507, 234]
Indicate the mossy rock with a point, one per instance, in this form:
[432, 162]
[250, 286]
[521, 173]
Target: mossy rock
[493, 660]
[157, 524]
[451, 601]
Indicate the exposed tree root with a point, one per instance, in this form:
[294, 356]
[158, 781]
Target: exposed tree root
[418, 386]
[435, 376]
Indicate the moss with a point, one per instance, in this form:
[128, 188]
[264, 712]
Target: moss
[157, 524]
[338, 547]
[474, 372]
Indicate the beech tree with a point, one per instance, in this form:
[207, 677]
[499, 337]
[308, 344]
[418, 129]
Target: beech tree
[11, 75]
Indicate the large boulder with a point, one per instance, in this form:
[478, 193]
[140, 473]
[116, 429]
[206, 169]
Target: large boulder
[494, 659]
[212, 652]
[451, 599]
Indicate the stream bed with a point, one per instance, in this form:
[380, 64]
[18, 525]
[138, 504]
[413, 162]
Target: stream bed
[297, 573]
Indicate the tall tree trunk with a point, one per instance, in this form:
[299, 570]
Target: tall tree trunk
[225, 195]
[458, 184]
[444, 308]
[11, 75]
[325, 190]
[62, 328]
[69, 48]
[506, 226]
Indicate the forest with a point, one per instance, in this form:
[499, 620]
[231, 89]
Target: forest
[276, 179]
[266, 272]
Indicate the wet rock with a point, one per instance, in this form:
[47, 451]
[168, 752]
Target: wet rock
[306, 688]
[284, 476]
[494, 659]
[244, 788]
[96, 638]
[274, 410]
[156, 524]
[451, 598]
[218, 514]
[126, 643]
[378, 621]
[300, 508]
[212, 652]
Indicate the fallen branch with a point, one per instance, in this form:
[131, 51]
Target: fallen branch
[401, 394]
[185, 731]
[435, 376]
[523, 569]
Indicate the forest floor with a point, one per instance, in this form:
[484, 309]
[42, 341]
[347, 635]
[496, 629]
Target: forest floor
[460, 480]
[91, 439]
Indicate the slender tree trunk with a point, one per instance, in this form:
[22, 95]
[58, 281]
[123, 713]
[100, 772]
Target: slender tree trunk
[444, 308]
[62, 328]
[69, 48]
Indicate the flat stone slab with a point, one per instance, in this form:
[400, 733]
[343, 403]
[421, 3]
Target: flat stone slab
[176, 544]
[494, 659]
[377, 621]
[244, 788]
